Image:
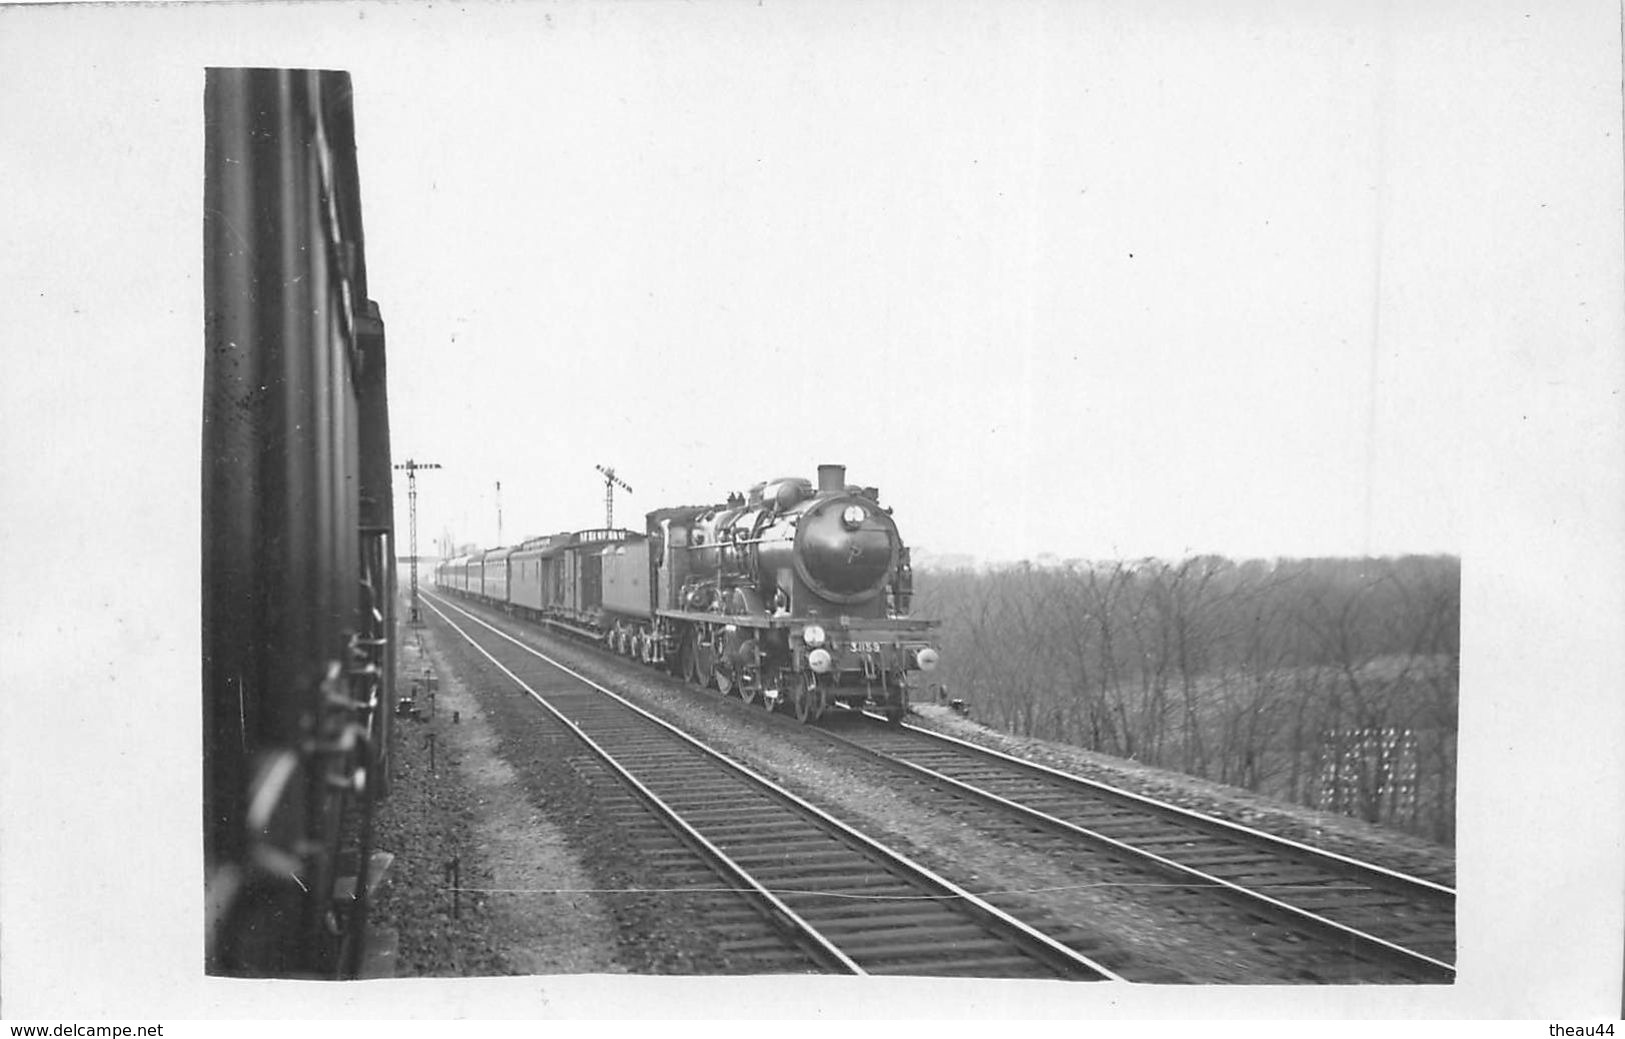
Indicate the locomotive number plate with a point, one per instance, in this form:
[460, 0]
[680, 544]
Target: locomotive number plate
[863, 647]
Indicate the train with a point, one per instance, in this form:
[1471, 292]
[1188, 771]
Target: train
[790, 595]
[298, 546]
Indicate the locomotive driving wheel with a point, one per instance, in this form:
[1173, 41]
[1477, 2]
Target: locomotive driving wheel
[747, 673]
[809, 703]
[686, 654]
[705, 662]
[895, 713]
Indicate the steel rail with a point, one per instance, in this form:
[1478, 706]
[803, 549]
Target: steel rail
[1046, 947]
[1401, 879]
[728, 866]
[1376, 943]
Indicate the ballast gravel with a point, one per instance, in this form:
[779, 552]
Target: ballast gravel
[551, 886]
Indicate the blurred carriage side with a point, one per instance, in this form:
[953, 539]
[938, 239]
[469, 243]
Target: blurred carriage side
[297, 531]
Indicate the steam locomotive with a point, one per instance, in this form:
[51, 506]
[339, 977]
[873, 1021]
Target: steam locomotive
[298, 553]
[790, 595]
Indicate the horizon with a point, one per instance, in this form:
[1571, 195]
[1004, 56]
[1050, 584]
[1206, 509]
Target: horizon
[925, 558]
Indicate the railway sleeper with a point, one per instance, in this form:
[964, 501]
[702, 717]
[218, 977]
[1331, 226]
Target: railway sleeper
[1147, 830]
[740, 919]
[985, 965]
[721, 813]
[1331, 901]
[880, 893]
[770, 857]
[846, 872]
[912, 939]
[923, 950]
[782, 830]
[1072, 813]
[1193, 842]
[1238, 857]
[844, 919]
[698, 801]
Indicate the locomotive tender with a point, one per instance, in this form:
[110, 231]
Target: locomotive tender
[790, 594]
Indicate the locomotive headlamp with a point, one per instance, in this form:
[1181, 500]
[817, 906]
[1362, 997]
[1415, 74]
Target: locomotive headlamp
[853, 516]
[925, 659]
[819, 661]
[813, 635]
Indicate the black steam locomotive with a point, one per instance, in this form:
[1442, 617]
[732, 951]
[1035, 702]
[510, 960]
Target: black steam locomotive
[298, 551]
[790, 594]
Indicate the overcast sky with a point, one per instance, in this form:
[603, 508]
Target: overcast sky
[1094, 279]
[1087, 279]
[1091, 280]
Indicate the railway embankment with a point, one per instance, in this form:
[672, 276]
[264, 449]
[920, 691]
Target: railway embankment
[1328, 830]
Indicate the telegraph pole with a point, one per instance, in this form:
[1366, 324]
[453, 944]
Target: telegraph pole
[499, 512]
[412, 468]
[611, 481]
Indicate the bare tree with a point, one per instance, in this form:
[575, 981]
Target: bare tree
[1301, 678]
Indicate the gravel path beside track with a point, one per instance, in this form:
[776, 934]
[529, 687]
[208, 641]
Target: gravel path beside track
[470, 809]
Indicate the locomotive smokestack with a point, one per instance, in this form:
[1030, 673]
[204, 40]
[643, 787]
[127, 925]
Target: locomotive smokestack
[831, 478]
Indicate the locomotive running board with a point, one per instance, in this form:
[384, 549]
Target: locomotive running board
[747, 619]
[906, 624]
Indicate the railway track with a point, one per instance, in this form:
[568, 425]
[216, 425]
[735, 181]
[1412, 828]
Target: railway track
[1381, 914]
[842, 900]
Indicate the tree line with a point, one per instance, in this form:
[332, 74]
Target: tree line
[1328, 682]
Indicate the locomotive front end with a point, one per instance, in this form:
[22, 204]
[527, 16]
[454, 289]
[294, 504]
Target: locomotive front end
[851, 645]
[796, 593]
[846, 549]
